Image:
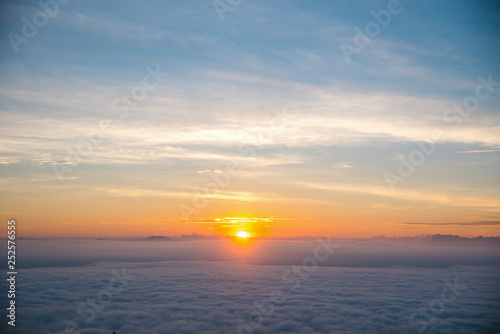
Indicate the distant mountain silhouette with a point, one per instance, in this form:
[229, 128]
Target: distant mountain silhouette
[184, 237]
[442, 239]
[159, 238]
[436, 239]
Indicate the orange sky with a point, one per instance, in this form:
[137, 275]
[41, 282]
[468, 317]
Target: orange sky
[347, 215]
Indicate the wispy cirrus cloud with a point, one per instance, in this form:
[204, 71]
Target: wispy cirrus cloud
[342, 165]
[408, 195]
[476, 223]
[479, 151]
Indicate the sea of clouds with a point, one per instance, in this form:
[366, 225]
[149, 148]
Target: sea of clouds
[101, 286]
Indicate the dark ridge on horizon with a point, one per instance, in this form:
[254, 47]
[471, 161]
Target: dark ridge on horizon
[159, 238]
[431, 239]
[183, 237]
[449, 239]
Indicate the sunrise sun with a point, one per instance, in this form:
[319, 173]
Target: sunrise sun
[243, 234]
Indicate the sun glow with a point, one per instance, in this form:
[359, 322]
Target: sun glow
[243, 234]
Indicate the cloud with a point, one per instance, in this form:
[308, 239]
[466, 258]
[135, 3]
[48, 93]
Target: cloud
[233, 220]
[479, 151]
[476, 223]
[372, 116]
[216, 171]
[403, 194]
[342, 165]
[184, 297]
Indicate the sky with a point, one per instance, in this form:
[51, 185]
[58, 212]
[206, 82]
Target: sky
[276, 118]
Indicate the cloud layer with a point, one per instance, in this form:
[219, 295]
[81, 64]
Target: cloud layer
[374, 254]
[219, 286]
[216, 297]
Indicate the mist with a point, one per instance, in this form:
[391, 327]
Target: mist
[368, 254]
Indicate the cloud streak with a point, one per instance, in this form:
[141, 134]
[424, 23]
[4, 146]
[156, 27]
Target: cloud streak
[476, 223]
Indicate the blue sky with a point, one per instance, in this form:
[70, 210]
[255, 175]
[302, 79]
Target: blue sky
[346, 122]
